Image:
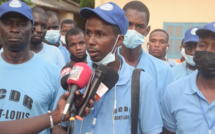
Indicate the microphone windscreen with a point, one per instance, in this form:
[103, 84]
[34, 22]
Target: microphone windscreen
[65, 71]
[111, 78]
[79, 75]
[102, 68]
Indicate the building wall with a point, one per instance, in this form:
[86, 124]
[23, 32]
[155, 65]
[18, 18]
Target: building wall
[66, 15]
[180, 11]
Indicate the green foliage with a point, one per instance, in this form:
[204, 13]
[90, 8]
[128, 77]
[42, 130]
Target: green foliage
[86, 3]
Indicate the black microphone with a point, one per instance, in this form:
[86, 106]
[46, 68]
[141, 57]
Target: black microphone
[109, 81]
[103, 74]
[65, 71]
[78, 78]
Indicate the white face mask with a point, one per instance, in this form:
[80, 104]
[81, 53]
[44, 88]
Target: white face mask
[52, 36]
[63, 39]
[133, 39]
[188, 58]
[110, 57]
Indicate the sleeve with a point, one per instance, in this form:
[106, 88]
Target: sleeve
[60, 59]
[149, 111]
[167, 113]
[168, 79]
[57, 91]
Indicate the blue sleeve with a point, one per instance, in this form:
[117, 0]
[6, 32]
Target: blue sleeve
[56, 82]
[167, 112]
[149, 114]
[60, 60]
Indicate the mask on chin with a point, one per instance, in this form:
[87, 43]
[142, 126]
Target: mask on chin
[110, 57]
[52, 36]
[133, 39]
[205, 63]
[188, 58]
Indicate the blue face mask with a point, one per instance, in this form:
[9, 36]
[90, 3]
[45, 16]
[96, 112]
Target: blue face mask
[188, 58]
[52, 36]
[110, 57]
[133, 39]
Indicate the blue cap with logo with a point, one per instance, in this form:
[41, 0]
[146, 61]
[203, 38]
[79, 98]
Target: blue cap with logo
[110, 13]
[18, 7]
[190, 35]
[210, 27]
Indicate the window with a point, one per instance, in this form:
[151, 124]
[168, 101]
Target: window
[176, 33]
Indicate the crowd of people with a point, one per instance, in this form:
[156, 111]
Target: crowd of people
[175, 97]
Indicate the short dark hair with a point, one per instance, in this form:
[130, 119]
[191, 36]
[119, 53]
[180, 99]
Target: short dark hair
[52, 13]
[39, 10]
[68, 21]
[73, 31]
[139, 6]
[160, 30]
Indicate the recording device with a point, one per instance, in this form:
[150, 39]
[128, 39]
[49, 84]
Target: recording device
[78, 78]
[65, 74]
[103, 74]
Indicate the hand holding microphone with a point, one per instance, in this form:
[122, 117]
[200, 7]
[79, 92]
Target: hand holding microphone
[77, 79]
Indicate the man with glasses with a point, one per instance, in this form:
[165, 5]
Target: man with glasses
[138, 16]
[50, 53]
[188, 50]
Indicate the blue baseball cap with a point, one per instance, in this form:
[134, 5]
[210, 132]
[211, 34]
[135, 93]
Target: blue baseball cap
[190, 35]
[110, 13]
[18, 7]
[208, 27]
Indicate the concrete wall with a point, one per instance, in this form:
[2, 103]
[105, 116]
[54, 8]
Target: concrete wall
[173, 11]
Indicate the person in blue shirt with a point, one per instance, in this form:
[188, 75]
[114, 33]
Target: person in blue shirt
[29, 84]
[76, 45]
[105, 28]
[138, 16]
[65, 26]
[158, 45]
[48, 52]
[188, 50]
[188, 104]
[52, 36]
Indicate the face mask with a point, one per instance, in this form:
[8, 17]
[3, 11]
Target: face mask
[188, 58]
[110, 57]
[62, 39]
[133, 39]
[205, 63]
[52, 36]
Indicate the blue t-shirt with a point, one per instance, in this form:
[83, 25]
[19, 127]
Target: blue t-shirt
[181, 111]
[65, 52]
[171, 63]
[118, 120]
[28, 89]
[180, 71]
[53, 55]
[158, 70]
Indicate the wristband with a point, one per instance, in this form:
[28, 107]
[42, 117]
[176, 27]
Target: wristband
[51, 120]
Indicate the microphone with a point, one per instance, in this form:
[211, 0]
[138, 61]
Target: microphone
[65, 74]
[103, 74]
[108, 83]
[78, 78]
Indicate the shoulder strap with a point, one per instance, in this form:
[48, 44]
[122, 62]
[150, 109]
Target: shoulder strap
[135, 92]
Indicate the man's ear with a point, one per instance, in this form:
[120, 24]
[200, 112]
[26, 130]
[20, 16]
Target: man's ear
[148, 30]
[120, 40]
[167, 47]
[32, 31]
